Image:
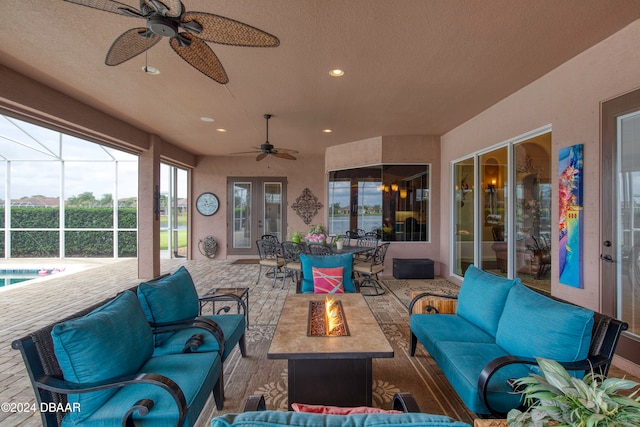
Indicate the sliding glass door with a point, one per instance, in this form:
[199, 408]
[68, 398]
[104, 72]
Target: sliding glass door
[502, 227]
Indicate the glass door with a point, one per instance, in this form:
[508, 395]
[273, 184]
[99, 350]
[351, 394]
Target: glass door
[463, 215]
[173, 212]
[628, 220]
[620, 204]
[256, 207]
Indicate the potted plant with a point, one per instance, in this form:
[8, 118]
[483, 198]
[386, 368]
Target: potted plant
[338, 242]
[295, 236]
[556, 398]
[317, 234]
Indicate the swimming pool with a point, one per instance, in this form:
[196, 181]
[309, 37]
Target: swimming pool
[12, 276]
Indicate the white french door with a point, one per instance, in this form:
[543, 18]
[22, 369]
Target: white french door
[256, 206]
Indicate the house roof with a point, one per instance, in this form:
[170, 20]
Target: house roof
[411, 66]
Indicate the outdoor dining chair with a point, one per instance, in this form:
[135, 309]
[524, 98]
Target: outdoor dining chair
[291, 254]
[370, 270]
[271, 258]
[270, 237]
[319, 249]
[366, 241]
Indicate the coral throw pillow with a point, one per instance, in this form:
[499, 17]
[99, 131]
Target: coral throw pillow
[337, 410]
[327, 280]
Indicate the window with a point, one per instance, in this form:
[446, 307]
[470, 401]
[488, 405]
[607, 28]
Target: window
[391, 201]
[64, 196]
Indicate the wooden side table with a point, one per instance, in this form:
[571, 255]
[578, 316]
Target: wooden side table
[490, 423]
[238, 295]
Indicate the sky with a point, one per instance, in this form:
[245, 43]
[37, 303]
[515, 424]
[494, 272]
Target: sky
[33, 155]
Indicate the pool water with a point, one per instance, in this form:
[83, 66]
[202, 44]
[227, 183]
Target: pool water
[10, 277]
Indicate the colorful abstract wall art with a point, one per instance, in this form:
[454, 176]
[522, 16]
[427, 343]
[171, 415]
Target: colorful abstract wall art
[570, 160]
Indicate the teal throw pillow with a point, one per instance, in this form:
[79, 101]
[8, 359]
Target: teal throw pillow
[170, 299]
[326, 261]
[113, 340]
[482, 297]
[533, 325]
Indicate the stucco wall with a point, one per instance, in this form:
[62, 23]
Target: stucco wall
[568, 98]
[211, 175]
[398, 149]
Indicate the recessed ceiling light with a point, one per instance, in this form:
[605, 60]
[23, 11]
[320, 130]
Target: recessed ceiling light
[327, 130]
[207, 119]
[336, 73]
[221, 130]
[150, 70]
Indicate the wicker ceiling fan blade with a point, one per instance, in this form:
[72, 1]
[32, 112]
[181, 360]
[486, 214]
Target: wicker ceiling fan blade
[170, 8]
[284, 155]
[286, 150]
[108, 6]
[131, 43]
[243, 153]
[218, 29]
[199, 56]
[261, 156]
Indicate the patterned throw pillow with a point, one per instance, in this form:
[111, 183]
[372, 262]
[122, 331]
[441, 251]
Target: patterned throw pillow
[328, 280]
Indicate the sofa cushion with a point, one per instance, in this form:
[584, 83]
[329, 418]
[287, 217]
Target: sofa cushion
[481, 298]
[283, 418]
[327, 280]
[433, 328]
[195, 374]
[169, 299]
[326, 261]
[550, 329]
[113, 340]
[462, 362]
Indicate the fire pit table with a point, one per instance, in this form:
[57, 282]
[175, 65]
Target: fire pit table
[329, 370]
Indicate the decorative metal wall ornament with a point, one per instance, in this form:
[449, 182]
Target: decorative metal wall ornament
[307, 206]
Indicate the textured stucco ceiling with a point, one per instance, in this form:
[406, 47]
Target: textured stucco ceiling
[412, 66]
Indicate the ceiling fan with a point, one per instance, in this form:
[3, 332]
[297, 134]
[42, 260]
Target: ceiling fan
[267, 149]
[166, 18]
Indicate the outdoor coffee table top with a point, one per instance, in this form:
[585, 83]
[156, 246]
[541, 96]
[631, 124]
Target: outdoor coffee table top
[290, 340]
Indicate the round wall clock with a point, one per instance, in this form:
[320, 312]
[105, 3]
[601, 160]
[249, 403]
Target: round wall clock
[207, 204]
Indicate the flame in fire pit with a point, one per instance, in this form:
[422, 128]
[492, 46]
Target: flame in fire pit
[331, 310]
[327, 319]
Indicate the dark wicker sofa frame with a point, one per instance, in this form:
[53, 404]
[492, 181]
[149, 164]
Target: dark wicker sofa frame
[604, 340]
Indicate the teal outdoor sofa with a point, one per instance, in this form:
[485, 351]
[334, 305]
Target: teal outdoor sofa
[98, 368]
[145, 356]
[499, 327]
[405, 413]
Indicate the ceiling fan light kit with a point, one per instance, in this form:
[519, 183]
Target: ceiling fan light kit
[167, 18]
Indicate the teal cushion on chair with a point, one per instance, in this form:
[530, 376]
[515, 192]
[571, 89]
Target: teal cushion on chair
[326, 261]
[113, 340]
[481, 298]
[566, 326]
[282, 418]
[170, 299]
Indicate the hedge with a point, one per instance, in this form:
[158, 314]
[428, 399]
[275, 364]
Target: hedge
[45, 244]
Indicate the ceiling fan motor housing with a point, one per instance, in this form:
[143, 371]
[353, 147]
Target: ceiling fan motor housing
[266, 147]
[165, 27]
